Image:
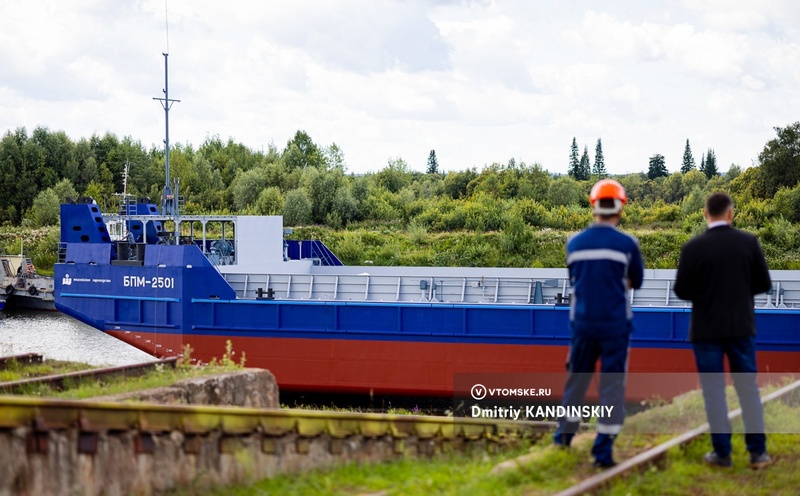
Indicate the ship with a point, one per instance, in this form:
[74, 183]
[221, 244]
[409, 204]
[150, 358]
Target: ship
[321, 326]
[22, 285]
[174, 282]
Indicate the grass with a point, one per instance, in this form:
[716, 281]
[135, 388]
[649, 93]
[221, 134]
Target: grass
[166, 376]
[161, 376]
[16, 371]
[541, 469]
[684, 474]
[454, 474]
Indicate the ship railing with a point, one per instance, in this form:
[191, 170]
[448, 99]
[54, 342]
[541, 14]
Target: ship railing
[656, 292]
[382, 288]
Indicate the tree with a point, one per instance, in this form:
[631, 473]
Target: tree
[658, 167]
[693, 180]
[10, 166]
[672, 190]
[599, 168]
[45, 209]
[345, 207]
[733, 172]
[693, 201]
[584, 168]
[395, 176]
[321, 187]
[297, 208]
[302, 152]
[334, 157]
[780, 160]
[688, 159]
[709, 166]
[208, 189]
[433, 164]
[269, 201]
[63, 190]
[574, 160]
[564, 191]
[247, 186]
[455, 183]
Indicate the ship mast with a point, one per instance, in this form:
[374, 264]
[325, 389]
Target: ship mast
[168, 204]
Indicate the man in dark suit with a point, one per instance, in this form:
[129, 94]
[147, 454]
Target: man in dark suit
[719, 272]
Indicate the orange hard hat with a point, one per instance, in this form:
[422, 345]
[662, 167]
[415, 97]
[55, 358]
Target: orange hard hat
[607, 189]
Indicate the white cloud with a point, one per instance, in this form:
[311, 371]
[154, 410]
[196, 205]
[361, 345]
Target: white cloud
[477, 81]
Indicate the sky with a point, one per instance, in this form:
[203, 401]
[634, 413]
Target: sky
[479, 82]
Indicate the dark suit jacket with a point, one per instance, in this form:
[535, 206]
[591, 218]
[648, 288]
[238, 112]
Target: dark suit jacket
[720, 271]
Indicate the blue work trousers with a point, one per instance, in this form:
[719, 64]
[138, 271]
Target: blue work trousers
[741, 354]
[585, 350]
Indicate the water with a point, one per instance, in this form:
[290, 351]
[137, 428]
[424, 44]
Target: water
[59, 337]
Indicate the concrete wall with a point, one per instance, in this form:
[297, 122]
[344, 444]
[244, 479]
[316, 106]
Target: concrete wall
[252, 388]
[116, 463]
[93, 448]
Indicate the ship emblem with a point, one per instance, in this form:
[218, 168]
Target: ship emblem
[66, 280]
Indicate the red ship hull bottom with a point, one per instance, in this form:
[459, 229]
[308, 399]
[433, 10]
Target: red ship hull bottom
[406, 368]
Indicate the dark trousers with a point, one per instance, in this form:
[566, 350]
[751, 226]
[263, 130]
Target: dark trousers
[612, 352]
[741, 354]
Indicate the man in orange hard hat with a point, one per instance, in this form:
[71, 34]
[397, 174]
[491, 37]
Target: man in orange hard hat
[603, 264]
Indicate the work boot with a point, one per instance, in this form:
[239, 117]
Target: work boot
[760, 461]
[562, 439]
[604, 463]
[714, 459]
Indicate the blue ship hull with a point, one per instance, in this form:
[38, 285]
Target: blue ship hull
[327, 341]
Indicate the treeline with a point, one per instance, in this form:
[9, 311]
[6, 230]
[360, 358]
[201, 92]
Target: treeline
[309, 185]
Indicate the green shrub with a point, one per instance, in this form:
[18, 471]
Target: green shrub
[516, 237]
[531, 211]
[779, 233]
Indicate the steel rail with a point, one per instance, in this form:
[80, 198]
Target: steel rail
[646, 458]
[57, 381]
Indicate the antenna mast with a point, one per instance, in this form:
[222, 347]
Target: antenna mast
[167, 196]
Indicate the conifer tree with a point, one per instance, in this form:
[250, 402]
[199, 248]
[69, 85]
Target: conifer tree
[599, 168]
[574, 160]
[688, 159]
[433, 164]
[585, 166]
[657, 167]
[710, 166]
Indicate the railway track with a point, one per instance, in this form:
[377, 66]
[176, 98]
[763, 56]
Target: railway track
[279, 431]
[23, 359]
[58, 381]
[81, 447]
[656, 454]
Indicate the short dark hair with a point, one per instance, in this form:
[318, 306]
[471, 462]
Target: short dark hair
[718, 203]
[608, 203]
